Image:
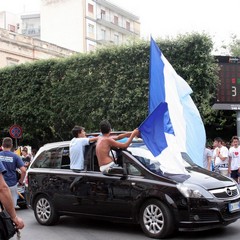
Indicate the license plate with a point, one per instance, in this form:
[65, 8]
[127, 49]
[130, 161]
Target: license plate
[234, 206]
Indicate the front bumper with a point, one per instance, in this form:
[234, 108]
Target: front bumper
[203, 214]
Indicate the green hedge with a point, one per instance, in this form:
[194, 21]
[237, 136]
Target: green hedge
[47, 98]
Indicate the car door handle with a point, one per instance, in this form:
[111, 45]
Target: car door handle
[137, 186]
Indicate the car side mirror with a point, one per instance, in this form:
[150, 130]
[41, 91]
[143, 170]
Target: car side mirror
[114, 171]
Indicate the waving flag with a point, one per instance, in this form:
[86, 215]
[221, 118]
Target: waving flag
[183, 128]
[148, 132]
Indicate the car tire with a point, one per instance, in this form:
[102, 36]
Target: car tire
[44, 211]
[156, 219]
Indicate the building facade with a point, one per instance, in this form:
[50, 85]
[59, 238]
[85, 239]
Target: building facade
[16, 49]
[82, 25]
[62, 28]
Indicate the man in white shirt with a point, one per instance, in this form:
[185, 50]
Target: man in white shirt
[77, 147]
[220, 156]
[234, 159]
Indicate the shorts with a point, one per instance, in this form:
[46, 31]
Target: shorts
[14, 192]
[104, 168]
[235, 174]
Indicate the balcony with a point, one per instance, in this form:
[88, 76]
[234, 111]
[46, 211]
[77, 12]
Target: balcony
[32, 32]
[104, 21]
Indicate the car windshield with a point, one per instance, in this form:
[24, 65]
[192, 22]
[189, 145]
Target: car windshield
[143, 155]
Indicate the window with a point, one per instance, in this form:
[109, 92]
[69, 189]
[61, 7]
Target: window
[90, 29]
[90, 8]
[115, 20]
[128, 25]
[49, 159]
[11, 61]
[133, 170]
[65, 164]
[116, 39]
[103, 14]
[103, 34]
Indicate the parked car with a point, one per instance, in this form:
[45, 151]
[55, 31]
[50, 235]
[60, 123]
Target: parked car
[136, 192]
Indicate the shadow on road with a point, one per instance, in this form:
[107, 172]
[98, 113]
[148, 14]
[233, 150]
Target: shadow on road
[134, 229]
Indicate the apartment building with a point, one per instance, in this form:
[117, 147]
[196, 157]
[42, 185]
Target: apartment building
[82, 25]
[62, 28]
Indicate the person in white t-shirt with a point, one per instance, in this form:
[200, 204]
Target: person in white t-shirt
[220, 156]
[77, 147]
[234, 159]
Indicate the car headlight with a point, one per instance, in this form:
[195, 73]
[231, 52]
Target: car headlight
[193, 191]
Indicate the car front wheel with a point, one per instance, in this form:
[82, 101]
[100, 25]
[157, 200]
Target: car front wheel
[44, 211]
[156, 220]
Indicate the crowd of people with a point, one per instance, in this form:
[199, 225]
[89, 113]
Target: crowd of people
[222, 159]
[13, 167]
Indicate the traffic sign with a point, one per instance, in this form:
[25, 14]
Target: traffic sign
[15, 131]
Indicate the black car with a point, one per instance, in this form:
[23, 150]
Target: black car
[137, 191]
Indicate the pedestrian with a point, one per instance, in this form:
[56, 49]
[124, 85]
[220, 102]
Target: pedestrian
[234, 159]
[220, 156]
[207, 159]
[105, 142]
[7, 201]
[11, 161]
[77, 147]
[26, 158]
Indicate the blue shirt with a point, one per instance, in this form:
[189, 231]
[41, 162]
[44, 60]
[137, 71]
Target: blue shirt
[11, 162]
[2, 168]
[77, 149]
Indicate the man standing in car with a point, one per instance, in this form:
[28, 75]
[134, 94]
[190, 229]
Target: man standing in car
[11, 161]
[77, 147]
[105, 142]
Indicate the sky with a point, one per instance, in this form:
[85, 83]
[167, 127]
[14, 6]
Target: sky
[168, 18]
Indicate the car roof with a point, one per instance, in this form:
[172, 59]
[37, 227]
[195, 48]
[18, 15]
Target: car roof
[66, 143]
[55, 144]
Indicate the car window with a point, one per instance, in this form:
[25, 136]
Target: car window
[133, 170]
[65, 164]
[49, 159]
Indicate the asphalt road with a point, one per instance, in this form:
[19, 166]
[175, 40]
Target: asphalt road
[71, 228]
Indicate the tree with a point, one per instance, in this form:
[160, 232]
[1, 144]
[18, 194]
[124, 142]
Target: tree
[235, 46]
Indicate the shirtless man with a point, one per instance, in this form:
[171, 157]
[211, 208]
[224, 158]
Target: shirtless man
[105, 143]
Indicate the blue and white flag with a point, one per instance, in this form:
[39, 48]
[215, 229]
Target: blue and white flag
[183, 127]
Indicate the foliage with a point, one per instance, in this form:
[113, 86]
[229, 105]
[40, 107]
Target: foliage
[47, 98]
[235, 46]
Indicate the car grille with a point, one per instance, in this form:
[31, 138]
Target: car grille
[226, 192]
